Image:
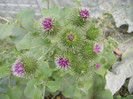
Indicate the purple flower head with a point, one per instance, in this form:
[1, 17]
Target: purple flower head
[47, 24]
[98, 48]
[18, 69]
[63, 62]
[70, 37]
[84, 13]
[98, 66]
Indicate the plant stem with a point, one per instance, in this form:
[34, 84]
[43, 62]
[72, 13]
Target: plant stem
[43, 95]
[9, 82]
[48, 4]
[4, 19]
[46, 52]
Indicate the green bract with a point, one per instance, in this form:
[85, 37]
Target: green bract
[71, 45]
[92, 32]
[76, 19]
[30, 64]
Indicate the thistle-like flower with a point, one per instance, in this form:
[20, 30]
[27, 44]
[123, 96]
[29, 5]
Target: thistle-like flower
[47, 24]
[98, 66]
[70, 37]
[98, 48]
[63, 62]
[18, 69]
[84, 13]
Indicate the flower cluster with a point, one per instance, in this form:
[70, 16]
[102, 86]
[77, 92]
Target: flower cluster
[47, 24]
[18, 69]
[70, 37]
[98, 48]
[63, 62]
[84, 13]
[98, 66]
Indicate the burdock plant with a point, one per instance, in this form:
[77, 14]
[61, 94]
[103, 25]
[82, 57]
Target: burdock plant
[67, 54]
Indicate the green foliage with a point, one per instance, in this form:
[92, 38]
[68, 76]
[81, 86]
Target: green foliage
[53, 86]
[4, 72]
[67, 85]
[98, 89]
[3, 96]
[5, 30]
[74, 38]
[30, 89]
[15, 92]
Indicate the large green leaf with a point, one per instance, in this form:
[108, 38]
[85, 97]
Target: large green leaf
[5, 85]
[28, 24]
[43, 72]
[67, 85]
[53, 11]
[53, 86]
[5, 30]
[25, 17]
[4, 72]
[17, 34]
[37, 94]
[25, 14]
[25, 43]
[15, 92]
[98, 89]
[4, 96]
[30, 89]
[30, 41]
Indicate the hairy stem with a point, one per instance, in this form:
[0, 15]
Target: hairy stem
[4, 19]
[43, 95]
[46, 52]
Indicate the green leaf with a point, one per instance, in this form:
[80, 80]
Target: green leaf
[104, 94]
[4, 72]
[17, 34]
[25, 14]
[77, 94]
[45, 12]
[3, 96]
[98, 88]
[25, 17]
[28, 24]
[37, 94]
[30, 89]
[5, 30]
[15, 92]
[25, 43]
[47, 71]
[4, 84]
[53, 86]
[30, 41]
[101, 71]
[55, 10]
[43, 72]
[67, 84]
